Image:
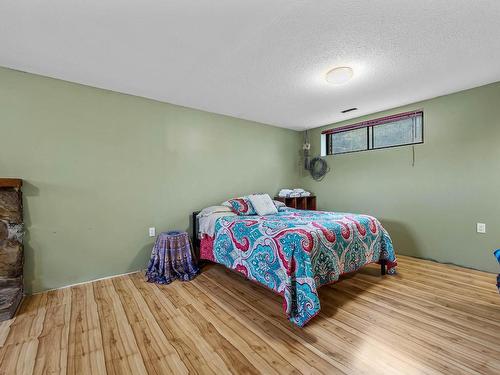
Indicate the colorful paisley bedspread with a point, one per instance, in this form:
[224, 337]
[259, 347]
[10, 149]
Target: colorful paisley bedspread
[295, 252]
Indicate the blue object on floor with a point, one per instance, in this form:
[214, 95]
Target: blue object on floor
[171, 259]
[497, 255]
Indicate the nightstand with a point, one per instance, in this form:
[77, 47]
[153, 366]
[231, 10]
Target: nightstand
[301, 203]
[171, 258]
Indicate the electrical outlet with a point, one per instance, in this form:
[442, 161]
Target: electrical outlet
[481, 228]
[152, 232]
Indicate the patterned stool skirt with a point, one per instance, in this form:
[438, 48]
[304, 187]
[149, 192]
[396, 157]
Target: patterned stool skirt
[171, 259]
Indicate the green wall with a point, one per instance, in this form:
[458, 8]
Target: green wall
[431, 209]
[100, 168]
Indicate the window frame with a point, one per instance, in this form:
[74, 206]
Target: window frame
[370, 137]
[329, 143]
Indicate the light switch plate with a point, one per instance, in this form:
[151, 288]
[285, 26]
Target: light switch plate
[481, 228]
[152, 232]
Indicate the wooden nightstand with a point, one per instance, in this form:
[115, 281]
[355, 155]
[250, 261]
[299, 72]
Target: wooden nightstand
[301, 203]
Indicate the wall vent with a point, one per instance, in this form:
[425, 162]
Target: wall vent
[349, 110]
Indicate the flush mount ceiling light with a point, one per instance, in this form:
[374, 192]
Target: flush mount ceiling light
[339, 76]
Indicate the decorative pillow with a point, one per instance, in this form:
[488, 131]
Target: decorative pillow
[240, 206]
[279, 204]
[263, 204]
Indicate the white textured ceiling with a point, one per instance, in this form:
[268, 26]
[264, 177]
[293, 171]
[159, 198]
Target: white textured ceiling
[262, 60]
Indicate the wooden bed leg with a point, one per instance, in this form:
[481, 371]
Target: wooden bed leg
[382, 266]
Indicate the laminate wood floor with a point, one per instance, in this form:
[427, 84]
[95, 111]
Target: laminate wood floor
[430, 318]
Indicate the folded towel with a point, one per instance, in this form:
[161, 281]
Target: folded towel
[285, 192]
[293, 193]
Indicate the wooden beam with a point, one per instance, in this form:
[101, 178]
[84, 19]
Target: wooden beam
[15, 183]
[11, 247]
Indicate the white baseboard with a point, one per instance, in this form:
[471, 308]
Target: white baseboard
[89, 281]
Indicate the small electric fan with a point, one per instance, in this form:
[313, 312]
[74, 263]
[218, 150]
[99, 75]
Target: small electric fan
[317, 166]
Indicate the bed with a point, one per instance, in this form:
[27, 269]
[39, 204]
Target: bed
[294, 252]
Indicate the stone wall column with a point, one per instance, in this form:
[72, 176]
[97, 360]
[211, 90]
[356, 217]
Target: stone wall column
[11, 246]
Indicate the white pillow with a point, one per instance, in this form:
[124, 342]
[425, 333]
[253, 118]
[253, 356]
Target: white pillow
[213, 209]
[263, 204]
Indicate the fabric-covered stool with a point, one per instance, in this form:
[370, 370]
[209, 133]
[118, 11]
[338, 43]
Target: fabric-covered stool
[171, 259]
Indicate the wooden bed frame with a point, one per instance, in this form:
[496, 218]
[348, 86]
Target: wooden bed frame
[196, 244]
[196, 240]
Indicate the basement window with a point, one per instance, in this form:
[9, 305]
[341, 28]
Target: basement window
[402, 129]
